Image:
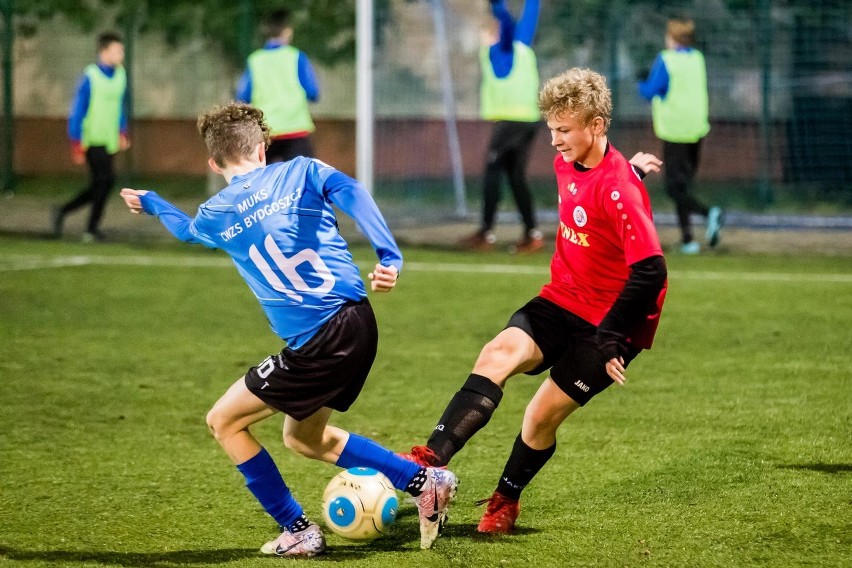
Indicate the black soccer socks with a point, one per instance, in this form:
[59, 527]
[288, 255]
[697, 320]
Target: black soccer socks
[523, 464]
[469, 410]
[415, 486]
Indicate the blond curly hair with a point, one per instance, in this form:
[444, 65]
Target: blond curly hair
[233, 131]
[581, 93]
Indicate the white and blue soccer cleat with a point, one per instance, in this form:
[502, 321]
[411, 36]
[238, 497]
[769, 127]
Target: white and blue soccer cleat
[308, 542]
[690, 248]
[434, 503]
[715, 220]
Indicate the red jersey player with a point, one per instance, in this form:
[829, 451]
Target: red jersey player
[600, 309]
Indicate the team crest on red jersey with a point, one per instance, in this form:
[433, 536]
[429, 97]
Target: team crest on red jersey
[580, 216]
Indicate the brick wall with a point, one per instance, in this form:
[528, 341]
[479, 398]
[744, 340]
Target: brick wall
[404, 148]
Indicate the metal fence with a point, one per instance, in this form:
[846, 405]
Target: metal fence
[780, 80]
[779, 74]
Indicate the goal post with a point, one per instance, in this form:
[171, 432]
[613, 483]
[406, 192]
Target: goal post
[364, 113]
[449, 103]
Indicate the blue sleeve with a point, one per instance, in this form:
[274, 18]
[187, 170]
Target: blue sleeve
[308, 78]
[79, 108]
[351, 197]
[657, 83]
[507, 25]
[176, 221]
[525, 32]
[243, 94]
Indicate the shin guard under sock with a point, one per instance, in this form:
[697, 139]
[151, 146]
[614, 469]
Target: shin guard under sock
[469, 410]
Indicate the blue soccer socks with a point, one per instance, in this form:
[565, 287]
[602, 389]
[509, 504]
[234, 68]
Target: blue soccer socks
[265, 482]
[363, 452]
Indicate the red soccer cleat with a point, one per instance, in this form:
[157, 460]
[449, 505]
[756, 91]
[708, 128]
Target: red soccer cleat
[422, 455]
[480, 241]
[528, 245]
[500, 516]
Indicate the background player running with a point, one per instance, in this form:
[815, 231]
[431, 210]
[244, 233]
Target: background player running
[600, 309]
[277, 224]
[97, 128]
[677, 89]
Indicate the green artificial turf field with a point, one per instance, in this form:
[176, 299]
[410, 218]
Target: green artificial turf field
[729, 446]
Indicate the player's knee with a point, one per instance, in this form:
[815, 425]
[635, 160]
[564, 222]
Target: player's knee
[218, 423]
[213, 423]
[499, 353]
[539, 425]
[299, 445]
[539, 430]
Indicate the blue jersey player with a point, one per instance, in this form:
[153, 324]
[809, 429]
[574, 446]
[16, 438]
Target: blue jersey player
[277, 224]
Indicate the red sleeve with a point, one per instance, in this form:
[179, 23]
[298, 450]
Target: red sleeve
[629, 208]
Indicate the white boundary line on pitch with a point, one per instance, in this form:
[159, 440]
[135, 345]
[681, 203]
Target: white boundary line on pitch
[692, 275]
[16, 263]
[22, 262]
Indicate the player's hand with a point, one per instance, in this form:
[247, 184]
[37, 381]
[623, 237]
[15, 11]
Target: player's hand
[131, 198]
[78, 154]
[383, 278]
[123, 142]
[615, 370]
[646, 162]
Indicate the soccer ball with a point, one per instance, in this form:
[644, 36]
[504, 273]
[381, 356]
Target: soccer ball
[359, 504]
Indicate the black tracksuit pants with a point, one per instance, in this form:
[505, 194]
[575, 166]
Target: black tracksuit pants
[509, 152]
[101, 183]
[681, 163]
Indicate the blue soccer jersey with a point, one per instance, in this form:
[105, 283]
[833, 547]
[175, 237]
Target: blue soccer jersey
[278, 226]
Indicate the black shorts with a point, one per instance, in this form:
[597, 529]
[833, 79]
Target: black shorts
[285, 149]
[570, 348]
[329, 370]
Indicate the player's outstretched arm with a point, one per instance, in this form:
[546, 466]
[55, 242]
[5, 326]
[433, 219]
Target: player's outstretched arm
[176, 221]
[132, 199]
[383, 278]
[351, 197]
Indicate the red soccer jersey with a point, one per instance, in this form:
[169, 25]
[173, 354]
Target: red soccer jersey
[605, 225]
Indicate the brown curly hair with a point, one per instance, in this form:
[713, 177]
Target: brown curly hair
[579, 92]
[233, 131]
